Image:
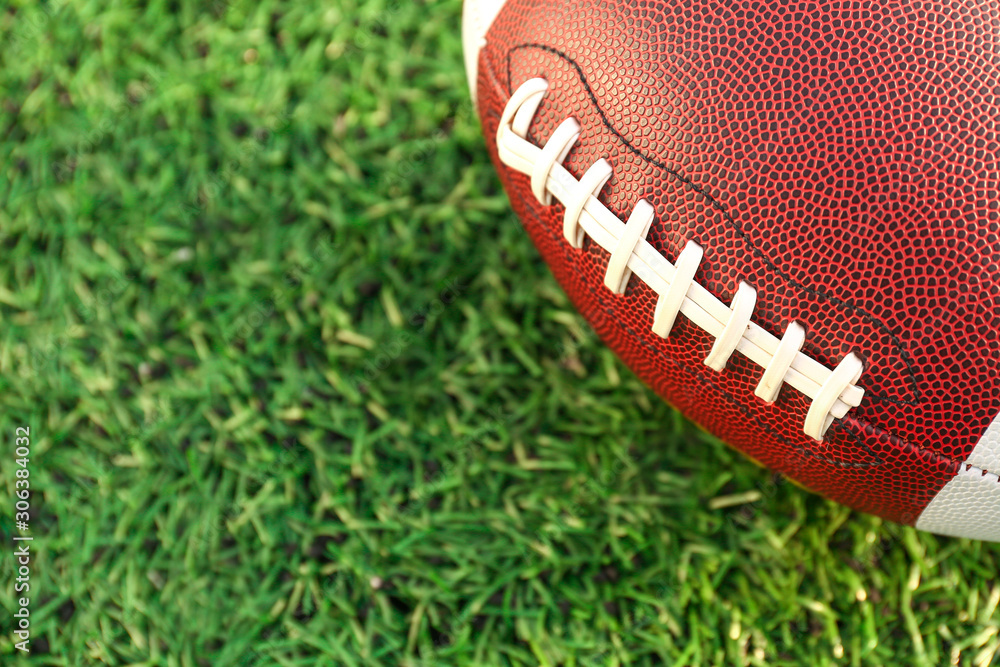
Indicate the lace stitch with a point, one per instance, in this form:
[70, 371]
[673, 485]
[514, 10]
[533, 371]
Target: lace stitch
[832, 393]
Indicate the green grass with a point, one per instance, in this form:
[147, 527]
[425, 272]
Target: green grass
[301, 391]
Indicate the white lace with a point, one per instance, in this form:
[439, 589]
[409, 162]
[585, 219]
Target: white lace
[832, 392]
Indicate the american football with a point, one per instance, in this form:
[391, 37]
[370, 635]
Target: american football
[784, 217]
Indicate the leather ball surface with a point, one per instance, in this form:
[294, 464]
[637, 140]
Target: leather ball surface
[841, 158]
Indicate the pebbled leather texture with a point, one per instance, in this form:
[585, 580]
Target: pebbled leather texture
[842, 159]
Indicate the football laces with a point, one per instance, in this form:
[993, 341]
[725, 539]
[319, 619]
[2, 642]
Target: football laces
[831, 392]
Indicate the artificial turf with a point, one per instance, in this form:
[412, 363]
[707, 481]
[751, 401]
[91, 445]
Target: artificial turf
[301, 391]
